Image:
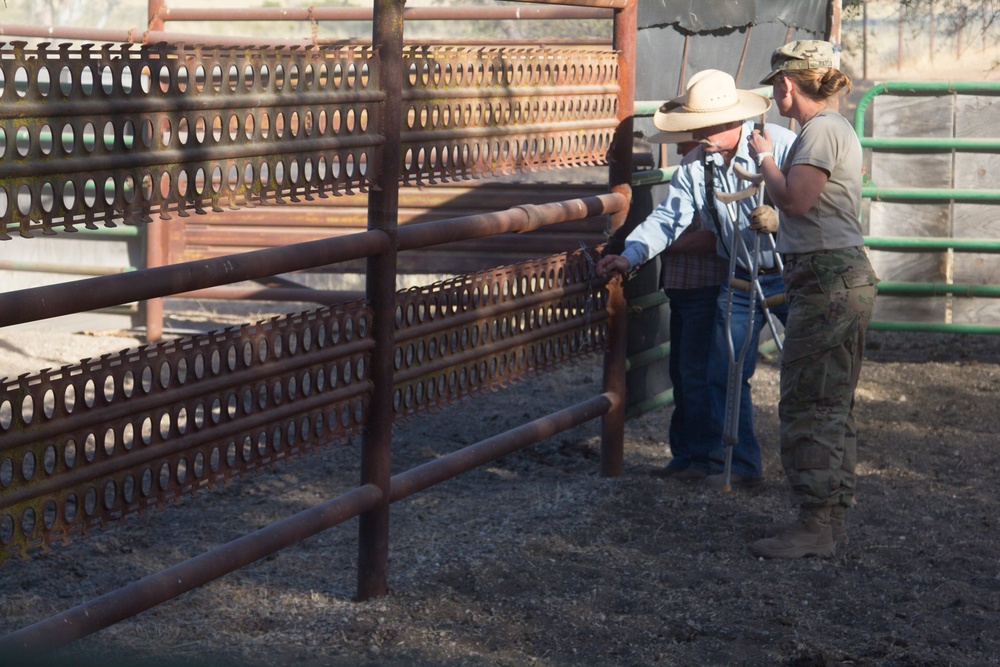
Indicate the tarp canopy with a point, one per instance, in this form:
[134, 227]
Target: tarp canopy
[677, 38]
[706, 16]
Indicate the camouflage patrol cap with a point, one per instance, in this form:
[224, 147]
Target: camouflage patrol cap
[800, 54]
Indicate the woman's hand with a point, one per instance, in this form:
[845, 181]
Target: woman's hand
[759, 142]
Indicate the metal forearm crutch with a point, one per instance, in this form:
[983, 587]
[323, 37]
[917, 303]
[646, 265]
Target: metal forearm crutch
[766, 302]
[731, 424]
[757, 189]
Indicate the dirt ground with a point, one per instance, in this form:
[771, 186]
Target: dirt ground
[537, 560]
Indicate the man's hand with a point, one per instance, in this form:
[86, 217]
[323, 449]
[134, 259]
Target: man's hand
[612, 264]
[764, 220]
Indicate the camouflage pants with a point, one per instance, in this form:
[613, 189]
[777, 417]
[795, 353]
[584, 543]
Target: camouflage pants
[830, 296]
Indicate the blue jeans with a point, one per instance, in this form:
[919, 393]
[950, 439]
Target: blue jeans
[746, 452]
[692, 322]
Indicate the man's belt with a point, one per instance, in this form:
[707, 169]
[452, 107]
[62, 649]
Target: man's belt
[743, 273]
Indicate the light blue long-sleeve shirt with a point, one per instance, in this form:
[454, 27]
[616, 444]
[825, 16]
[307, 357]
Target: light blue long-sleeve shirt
[686, 196]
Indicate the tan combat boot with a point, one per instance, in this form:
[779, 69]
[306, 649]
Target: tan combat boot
[838, 527]
[810, 536]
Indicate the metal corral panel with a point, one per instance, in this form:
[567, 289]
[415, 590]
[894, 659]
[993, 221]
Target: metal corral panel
[911, 117]
[976, 116]
[935, 116]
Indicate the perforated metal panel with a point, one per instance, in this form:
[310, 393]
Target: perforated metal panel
[470, 113]
[90, 444]
[119, 133]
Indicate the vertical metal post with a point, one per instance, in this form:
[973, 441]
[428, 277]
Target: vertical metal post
[835, 22]
[684, 63]
[155, 232]
[383, 214]
[620, 180]
[743, 56]
[156, 239]
[930, 10]
[153, 21]
[864, 40]
[986, 23]
[959, 27]
[899, 50]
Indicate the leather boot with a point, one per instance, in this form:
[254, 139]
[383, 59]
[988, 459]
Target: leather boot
[809, 536]
[838, 527]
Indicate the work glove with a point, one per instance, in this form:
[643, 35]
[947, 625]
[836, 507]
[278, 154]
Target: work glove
[764, 219]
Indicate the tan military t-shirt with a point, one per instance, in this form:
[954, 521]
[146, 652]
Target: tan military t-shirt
[828, 142]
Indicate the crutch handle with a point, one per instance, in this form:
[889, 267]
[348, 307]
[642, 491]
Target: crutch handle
[740, 284]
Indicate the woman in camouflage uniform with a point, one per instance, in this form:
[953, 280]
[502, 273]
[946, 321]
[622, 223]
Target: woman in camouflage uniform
[830, 294]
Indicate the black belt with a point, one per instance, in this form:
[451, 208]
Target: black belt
[760, 272]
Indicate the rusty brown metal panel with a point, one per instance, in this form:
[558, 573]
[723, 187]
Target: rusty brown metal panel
[88, 445]
[118, 133]
[475, 334]
[477, 112]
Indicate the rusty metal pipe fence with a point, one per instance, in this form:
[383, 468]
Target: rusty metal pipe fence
[119, 134]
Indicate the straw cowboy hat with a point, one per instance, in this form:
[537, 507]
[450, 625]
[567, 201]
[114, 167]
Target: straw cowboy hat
[669, 137]
[711, 99]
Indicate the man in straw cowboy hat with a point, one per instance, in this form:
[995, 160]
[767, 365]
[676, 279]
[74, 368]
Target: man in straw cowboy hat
[719, 117]
[690, 274]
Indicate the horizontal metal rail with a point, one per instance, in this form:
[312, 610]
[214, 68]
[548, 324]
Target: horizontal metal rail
[931, 143]
[914, 88]
[524, 218]
[39, 303]
[917, 88]
[135, 36]
[450, 465]
[935, 327]
[146, 593]
[929, 244]
[130, 600]
[891, 288]
[314, 14]
[930, 194]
